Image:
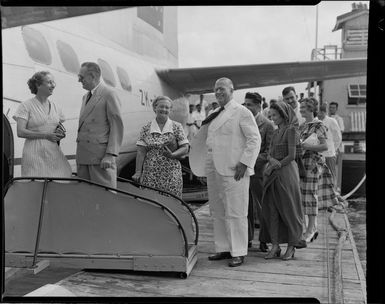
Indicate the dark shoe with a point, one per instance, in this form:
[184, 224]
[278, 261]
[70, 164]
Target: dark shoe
[236, 261]
[301, 244]
[249, 244]
[263, 247]
[220, 256]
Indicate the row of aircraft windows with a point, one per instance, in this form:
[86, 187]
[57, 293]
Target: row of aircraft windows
[39, 51]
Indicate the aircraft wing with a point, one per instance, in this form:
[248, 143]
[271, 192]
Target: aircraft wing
[201, 80]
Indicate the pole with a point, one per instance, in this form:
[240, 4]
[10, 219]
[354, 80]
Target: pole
[316, 45]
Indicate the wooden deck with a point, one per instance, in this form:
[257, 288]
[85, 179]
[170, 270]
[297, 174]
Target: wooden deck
[310, 274]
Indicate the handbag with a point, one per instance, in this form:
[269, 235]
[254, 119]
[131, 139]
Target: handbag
[61, 131]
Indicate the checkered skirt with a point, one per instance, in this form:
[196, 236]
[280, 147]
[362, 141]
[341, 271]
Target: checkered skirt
[317, 189]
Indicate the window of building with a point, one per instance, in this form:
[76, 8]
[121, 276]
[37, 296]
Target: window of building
[107, 73]
[357, 37]
[124, 79]
[68, 57]
[356, 94]
[36, 45]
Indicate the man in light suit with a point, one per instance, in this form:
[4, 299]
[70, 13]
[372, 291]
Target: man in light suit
[253, 101]
[233, 143]
[100, 131]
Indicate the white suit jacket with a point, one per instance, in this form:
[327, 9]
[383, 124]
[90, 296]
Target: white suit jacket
[236, 139]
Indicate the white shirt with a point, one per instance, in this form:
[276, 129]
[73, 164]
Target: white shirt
[334, 136]
[210, 133]
[301, 120]
[340, 121]
[94, 89]
[199, 116]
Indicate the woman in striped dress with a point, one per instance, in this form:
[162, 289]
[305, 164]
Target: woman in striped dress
[37, 119]
[317, 183]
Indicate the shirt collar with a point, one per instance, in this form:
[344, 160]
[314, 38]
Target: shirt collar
[94, 89]
[166, 129]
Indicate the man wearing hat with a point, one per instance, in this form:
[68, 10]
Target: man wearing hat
[253, 101]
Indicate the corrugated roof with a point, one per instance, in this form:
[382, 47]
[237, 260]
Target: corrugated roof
[348, 16]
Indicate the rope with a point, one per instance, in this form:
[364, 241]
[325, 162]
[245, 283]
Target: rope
[355, 189]
[342, 234]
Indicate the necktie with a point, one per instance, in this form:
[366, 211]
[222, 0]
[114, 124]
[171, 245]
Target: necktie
[88, 97]
[212, 116]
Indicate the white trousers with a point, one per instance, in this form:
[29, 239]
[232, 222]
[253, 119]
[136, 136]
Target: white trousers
[228, 201]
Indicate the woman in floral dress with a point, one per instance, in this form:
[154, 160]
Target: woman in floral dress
[161, 143]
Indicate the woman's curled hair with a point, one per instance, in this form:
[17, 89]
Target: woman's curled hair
[36, 80]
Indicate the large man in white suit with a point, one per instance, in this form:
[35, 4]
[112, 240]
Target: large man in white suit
[233, 142]
[100, 131]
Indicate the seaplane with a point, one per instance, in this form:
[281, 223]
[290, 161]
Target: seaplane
[77, 222]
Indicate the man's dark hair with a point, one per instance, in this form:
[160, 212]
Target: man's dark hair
[256, 97]
[334, 103]
[287, 90]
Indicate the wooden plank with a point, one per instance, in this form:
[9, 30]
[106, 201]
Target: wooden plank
[304, 276]
[194, 286]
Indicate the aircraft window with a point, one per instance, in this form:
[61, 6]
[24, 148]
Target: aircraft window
[36, 45]
[124, 79]
[68, 57]
[107, 74]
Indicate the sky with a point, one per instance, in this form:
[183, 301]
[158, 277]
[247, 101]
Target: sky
[237, 35]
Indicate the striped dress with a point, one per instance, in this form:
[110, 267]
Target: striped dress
[41, 157]
[317, 189]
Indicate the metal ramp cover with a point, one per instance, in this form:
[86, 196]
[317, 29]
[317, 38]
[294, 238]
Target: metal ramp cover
[75, 222]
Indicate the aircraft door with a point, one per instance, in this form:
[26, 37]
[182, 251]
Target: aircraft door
[8, 151]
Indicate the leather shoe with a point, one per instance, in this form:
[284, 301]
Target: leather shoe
[263, 247]
[301, 244]
[220, 256]
[236, 261]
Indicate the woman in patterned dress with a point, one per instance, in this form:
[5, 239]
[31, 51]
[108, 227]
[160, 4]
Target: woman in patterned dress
[161, 143]
[37, 119]
[317, 184]
[281, 202]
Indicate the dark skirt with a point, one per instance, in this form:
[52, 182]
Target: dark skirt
[282, 190]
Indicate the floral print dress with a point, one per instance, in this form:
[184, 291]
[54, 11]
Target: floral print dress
[161, 172]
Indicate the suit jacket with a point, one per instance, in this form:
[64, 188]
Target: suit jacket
[236, 139]
[100, 127]
[266, 129]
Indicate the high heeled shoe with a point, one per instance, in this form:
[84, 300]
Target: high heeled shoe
[273, 253]
[314, 237]
[288, 254]
[310, 237]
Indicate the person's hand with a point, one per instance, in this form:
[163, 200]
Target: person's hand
[108, 161]
[306, 146]
[60, 135]
[167, 152]
[54, 137]
[136, 177]
[274, 164]
[240, 170]
[268, 170]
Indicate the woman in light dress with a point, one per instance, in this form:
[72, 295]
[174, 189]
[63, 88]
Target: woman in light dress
[37, 119]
